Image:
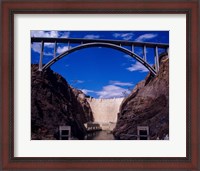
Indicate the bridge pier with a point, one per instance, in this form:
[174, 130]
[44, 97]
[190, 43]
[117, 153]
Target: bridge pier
[132, 49]
[156, 59]
[41, 56]
[55, 49]
[144, 53]
[68, 45]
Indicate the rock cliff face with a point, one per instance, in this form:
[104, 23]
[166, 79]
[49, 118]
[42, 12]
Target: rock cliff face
[147, 105]
[54, 103]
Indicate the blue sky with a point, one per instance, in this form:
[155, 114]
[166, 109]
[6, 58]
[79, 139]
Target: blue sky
[99, 72]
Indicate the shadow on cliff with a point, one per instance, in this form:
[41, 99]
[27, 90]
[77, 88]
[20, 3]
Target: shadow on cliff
[147, 105]
[55, 103]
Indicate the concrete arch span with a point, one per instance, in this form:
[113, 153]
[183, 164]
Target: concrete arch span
[102, 44]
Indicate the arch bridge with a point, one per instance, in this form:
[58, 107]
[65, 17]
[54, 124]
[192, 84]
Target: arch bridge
[114, 44]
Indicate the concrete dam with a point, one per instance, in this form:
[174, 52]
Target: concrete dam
[105, 111]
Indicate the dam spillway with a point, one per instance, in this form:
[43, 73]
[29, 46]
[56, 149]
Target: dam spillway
[105, 110]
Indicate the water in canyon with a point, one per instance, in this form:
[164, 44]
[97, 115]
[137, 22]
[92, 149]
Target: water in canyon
[100, 135]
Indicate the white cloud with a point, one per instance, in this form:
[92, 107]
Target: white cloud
[112, 91]
[145, 37]
[48, 54]
[124, 36]
[49, 45]
[79, 81]
[86, 91]
[62, 49]
[130, 58]
[137, 67]
[64, 34]
[119, 83]
[36, 47]
[76, 81]
[91, 36]
[39, 33]
[55, 34]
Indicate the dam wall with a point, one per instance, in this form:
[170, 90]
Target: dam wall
[105, 110]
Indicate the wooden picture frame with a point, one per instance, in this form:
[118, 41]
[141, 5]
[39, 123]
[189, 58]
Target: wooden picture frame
[10, 7]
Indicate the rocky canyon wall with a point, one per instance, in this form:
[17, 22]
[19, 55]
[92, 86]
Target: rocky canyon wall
[55, 103]
[146, 106]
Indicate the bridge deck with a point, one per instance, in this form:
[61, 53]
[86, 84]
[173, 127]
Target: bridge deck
[81, 40]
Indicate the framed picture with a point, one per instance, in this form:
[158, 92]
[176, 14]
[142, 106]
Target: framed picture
[118, 80]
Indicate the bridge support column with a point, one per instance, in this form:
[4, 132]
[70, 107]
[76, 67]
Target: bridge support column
[55, 49]
[68, 45]
[145, 53]
[132, 49]
[41, 56]
[156, 59]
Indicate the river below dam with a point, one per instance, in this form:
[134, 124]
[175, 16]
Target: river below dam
[100, 135]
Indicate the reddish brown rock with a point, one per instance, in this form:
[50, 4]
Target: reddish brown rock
[54, 103]
[147, 105]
